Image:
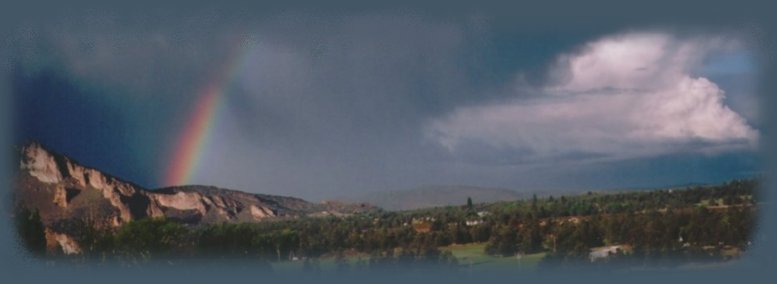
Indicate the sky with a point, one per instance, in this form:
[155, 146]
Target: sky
[329, 105]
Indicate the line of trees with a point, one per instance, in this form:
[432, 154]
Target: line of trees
[654, 223]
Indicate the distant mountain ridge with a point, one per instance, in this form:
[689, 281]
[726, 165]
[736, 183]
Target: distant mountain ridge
[437, 196]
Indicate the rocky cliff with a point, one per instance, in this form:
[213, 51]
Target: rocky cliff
[61, 188]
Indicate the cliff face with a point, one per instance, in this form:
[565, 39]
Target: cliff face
[60, 189]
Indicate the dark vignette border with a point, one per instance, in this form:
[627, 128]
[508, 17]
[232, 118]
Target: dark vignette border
[540, 16]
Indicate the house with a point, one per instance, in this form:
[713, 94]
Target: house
[605, 252]
[422, 226]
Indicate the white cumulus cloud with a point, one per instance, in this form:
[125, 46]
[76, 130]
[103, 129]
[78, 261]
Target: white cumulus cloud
[617, 97]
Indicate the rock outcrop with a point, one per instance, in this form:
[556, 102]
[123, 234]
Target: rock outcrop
[40, 164]
[60, 242]
[48, 173]
[60, 189]
[181, 201]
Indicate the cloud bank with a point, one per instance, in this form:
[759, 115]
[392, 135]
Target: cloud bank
[327, 106]
[622, 96]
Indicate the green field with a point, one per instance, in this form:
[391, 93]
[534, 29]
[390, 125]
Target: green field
[473, 257]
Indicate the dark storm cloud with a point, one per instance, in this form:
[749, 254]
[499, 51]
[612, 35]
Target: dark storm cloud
[337, 104]
[324, 95]
[127, 87]
[321, 104]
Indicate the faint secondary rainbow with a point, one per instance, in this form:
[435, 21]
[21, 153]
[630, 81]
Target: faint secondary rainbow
[191, 143]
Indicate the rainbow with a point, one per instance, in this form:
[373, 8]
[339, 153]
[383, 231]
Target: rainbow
[191, 143]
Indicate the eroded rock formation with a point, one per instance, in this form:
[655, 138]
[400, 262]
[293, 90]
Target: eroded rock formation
[61, 189]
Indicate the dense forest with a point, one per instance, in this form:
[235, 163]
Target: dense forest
[682, 224]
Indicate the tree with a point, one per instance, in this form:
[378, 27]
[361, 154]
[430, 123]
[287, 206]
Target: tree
[480, 233]
[150, 237]
[503, 242]
[31, 231]
[92, 239]
[531, 240]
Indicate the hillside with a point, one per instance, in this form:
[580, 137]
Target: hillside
[60, 189]
[66, 208]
